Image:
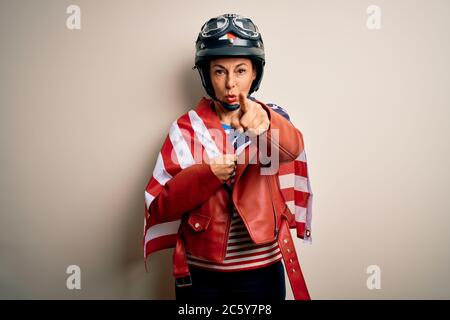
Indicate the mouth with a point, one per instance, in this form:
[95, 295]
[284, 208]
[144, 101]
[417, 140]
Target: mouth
[230, 98]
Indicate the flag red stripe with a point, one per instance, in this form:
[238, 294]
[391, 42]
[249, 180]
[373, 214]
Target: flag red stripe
[301, 168]
[301, 199]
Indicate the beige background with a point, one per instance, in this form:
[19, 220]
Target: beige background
[84, 113]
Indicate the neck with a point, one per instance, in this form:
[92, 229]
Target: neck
[223, 114]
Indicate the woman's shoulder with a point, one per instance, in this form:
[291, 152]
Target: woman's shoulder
[275, 107]
[193, 116]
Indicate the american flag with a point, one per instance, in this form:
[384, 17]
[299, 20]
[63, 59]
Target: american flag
[193, 130]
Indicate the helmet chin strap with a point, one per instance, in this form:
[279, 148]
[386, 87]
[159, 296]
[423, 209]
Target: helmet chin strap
[227, 106]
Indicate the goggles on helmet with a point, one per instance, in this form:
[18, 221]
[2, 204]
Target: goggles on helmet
[220, 25]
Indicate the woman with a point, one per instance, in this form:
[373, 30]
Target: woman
[225, 215]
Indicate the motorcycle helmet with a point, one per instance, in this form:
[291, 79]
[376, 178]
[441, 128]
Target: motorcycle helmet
[229, 35]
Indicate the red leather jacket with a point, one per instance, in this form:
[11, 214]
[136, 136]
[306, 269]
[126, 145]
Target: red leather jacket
[203, 201]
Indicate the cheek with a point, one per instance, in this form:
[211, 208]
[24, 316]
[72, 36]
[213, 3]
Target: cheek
[217, 83]
[249, 80]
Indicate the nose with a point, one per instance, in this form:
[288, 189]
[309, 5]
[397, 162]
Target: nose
[231, 82]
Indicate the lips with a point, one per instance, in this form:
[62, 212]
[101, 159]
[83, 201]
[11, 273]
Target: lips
[231, 98]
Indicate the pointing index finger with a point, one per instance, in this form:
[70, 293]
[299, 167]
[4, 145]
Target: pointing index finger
[243, 102]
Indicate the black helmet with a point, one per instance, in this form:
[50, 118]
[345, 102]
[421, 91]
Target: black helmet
[215, 41]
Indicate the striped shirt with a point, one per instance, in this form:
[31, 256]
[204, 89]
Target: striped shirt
[242, 253]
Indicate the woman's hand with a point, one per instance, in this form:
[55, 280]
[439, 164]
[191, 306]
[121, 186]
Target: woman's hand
[252, 118]
[224, 166]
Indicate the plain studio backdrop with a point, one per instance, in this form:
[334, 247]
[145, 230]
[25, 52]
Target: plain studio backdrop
[84, 113]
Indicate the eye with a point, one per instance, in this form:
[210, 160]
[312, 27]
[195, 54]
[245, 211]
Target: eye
[242, 71]
[219, 71]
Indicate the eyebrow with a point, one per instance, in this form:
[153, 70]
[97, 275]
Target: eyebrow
[220, 66]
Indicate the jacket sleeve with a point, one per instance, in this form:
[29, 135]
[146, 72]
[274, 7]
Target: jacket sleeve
[289, 142]
[185, 191]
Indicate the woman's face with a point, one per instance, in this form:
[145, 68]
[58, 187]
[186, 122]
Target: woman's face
[231, 76]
